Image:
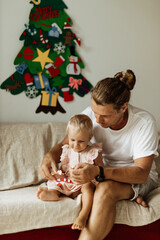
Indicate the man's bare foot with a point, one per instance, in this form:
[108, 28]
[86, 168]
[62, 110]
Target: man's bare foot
[79, 223]
[47, 195]
[140, 201]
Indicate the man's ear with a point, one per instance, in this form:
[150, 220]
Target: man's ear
[124, 107]
[91, 137]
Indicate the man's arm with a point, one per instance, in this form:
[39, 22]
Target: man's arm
[51, 159]
[137, 174]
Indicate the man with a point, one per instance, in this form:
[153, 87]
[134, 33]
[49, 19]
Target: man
[130, 141]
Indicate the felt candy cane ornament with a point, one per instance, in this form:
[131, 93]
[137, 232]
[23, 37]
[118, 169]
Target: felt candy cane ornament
[30, 31]
[36, 2]
[42, 38]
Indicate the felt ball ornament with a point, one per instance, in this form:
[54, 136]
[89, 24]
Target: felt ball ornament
[28, 53]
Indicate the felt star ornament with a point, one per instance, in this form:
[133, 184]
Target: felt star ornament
[43, 58]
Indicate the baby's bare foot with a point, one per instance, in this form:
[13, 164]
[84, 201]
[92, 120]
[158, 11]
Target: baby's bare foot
[47, 195]
[79, 223]
[39, 192]
[140, 201]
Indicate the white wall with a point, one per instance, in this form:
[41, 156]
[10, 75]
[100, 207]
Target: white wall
[115, 34]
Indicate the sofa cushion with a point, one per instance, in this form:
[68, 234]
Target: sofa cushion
[20, 210]
[22, 148]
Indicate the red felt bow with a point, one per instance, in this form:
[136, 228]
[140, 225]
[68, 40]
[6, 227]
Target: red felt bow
[73, 82]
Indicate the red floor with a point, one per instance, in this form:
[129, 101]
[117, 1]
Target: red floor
[119, 232]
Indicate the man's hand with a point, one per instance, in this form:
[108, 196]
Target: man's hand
[48, 165]
[83, 173]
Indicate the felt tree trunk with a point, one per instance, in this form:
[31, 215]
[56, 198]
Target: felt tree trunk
[48, 62]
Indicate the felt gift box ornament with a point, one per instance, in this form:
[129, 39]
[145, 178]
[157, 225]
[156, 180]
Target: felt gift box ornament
[21, 68]
[49, 97]
[73, 68]
[55, 31]
[41, 81]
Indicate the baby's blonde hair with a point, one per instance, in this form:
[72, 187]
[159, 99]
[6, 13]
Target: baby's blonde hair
[80, 122]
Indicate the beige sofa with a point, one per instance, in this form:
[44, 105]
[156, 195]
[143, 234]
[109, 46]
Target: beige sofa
[22, 148]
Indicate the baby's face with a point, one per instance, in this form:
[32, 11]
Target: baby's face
[78, 140]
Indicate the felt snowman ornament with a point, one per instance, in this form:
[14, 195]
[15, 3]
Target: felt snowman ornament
[73, 68]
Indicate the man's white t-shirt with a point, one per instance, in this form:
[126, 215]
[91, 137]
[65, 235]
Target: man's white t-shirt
[138, 138]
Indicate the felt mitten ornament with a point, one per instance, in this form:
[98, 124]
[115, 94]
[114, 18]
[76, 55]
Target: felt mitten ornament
[59, 61]
[28, 79]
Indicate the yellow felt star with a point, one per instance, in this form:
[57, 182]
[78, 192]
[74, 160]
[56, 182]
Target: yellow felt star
[43, 58]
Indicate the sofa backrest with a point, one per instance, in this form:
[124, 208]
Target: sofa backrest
[22, 148]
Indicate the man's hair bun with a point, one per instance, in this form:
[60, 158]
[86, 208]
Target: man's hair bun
[128, 78]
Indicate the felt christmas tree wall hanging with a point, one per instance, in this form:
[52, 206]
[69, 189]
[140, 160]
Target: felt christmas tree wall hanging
[48, 64]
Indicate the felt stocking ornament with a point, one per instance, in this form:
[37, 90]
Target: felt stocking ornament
[67, 96]
[52, 70]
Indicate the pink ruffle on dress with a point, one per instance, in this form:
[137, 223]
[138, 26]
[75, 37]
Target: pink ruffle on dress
[69, 159]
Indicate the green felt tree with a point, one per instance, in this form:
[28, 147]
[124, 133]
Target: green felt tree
[48, 64]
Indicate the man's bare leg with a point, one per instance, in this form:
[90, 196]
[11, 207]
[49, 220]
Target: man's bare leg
[48, 195]
[87, 199]
[104, 209]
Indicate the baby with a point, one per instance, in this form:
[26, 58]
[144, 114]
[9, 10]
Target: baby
[79, 150]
